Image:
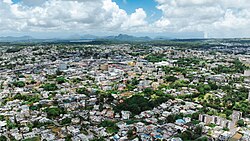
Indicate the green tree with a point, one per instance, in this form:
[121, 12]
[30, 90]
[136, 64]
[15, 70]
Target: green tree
[198, 130]
[49, 87]
[61, 80]
[19, 84]
[171, 78]
[54, 112]
[82, 91]
[66, 121]
[134, 81]
[11, 125]
[241, 123]
[110, 126]
[131, 134]
[134, 104]
[3, 138]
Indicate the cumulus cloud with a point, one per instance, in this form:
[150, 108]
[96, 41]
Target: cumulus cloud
[216, 18]
[136, 19]
[71, 15]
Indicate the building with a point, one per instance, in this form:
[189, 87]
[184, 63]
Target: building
[104, 67]
[207, 119]
[62, 67]
[236, 115]
[125, 115]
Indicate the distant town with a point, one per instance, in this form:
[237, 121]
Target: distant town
[121, 90]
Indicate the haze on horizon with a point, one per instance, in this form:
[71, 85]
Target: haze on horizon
[171, 18]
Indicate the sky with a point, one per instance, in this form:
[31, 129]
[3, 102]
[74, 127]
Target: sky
[169, 18]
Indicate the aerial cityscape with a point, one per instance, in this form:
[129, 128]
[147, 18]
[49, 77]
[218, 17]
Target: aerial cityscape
[162, 90]
[124, 70]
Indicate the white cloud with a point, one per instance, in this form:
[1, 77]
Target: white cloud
[7, 1]
[216, 18]
[71, 15]
[136, 19]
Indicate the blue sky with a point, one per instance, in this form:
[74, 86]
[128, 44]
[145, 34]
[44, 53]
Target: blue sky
[15, 1]
[170, 18]
[130, 5]
[148, 5]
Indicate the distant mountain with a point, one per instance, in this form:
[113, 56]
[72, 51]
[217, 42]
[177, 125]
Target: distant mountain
[120, 37]
[15, 39]
[89, 36]
[74, 37]
[162, 38]
[125, 37]
[84, 37]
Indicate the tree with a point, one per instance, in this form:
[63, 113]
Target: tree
[33, 59]
[49, 87]
[171, 79]
[135, 104]
[228, 112]
[82, 91]
[3, 138]
[32, 139]
[134, 108]
[61, 80]
[171, 118]
[66, 121]
[198, 130]
[131, 133]
[148, 91]
[111, 127]
[241, 123]
[195, 116]
[187, 135]
[53, 112]
[32, 81]
[107, 123]
[213, 85]
[130, 87]
[203, 88]
[134, 82]
[156, 58]
[2, 118]
[11, 125]
[19, 84]
[28, 98]
[202, 139]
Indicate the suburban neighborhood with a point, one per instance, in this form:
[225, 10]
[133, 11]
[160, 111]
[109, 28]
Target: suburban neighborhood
[125, 91]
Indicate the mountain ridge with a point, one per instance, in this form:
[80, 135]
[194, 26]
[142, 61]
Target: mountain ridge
[120, 37]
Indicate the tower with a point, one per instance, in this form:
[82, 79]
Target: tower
[248, 96]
